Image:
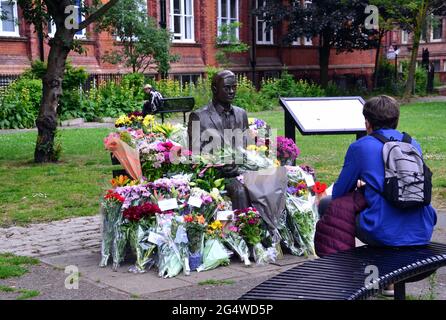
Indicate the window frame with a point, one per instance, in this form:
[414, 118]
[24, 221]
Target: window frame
[404, 37]
[228, 18]
[183, 18]
[441, 19]
[263, 41]
[16, 32]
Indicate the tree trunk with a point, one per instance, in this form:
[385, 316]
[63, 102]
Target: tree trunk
[52, 90]
[324, 60]
[377, 58]
[421, 20]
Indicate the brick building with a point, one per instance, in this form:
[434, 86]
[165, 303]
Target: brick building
[194, 24]
[433, 39]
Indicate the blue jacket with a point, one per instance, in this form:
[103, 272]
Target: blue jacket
[383, 222]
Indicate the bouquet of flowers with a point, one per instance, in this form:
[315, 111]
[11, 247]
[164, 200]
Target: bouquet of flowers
[236, 243]
[302, 212]
[161, 157]
[302, 218]
[203, 202]
[135, 120]
[287, 236]
[214, 253]
[111, 219]
[140, 221]
[248, 222]
[195, 227]
[170, 262]
[287, 150]
[260, 131]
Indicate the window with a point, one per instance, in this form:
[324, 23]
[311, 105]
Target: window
[308, 41]
[263, 36]
[81, 34]
[182, 20]
[186, 79]
[9, 26]
[437, 65]
[437, 29]
[228, 13]
[404, 37]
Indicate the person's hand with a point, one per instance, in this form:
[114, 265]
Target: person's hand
[360, 184]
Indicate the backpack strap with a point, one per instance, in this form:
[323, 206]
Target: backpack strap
[407, 138]
[380, 137]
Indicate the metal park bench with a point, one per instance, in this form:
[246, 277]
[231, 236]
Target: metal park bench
[345, 275]
[172, 105]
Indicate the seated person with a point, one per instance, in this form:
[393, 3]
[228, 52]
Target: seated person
[153, 100]
[381, 223]
[208, 125]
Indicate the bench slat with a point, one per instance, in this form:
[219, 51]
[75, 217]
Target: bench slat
[342, 275]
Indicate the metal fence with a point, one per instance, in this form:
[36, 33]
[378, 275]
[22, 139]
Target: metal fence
[93, 80]
[6, 79]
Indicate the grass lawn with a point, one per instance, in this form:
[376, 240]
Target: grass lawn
[15, 266]
[37, 193]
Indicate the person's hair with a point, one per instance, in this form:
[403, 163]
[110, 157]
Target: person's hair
[382, 112]
[219, 76]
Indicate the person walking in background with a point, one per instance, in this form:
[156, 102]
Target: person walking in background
[153, 100]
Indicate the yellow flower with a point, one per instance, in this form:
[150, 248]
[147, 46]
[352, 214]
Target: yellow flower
[276, 163]
[251, 147]
[216, 225]
[262, 148]
[251, 121]
[149, 120]
[167, 129]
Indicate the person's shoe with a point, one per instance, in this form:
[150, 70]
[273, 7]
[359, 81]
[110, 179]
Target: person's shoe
[389, 291]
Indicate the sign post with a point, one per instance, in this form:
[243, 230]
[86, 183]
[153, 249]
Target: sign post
[324, 116]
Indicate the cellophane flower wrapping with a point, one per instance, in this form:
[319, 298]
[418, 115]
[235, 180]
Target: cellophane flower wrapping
[287, 236]
[179, 233]
[264, 255]
[236, 243]
[302, 218]
[111, 219]
[145, 250]
[214, 255]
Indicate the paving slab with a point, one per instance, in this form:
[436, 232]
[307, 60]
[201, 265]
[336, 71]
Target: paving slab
[150, 283]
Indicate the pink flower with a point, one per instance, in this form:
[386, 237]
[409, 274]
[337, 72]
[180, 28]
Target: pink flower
[233, 229]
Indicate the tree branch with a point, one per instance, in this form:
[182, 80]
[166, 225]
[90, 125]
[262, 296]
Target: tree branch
[97, 14]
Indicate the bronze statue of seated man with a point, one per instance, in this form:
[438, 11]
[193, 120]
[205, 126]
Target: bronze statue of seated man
[210, 127]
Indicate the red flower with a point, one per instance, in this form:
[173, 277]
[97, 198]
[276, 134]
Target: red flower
[111, 195]
[188, 218]
[319, 188]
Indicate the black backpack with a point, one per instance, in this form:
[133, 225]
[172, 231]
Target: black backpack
[407, 179]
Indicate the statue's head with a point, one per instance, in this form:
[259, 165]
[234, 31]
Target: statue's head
[224, 87]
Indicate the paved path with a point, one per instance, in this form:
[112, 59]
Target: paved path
[76, 242]
[52, 238]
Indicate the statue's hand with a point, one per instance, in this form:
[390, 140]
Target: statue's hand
[229, 171]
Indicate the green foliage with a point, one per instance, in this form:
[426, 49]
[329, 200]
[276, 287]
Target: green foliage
[420, 85]
[19, 104]
[142, 42]
[112, 99]
[228, 43]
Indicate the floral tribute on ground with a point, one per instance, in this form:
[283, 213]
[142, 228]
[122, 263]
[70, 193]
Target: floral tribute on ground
[172, 213]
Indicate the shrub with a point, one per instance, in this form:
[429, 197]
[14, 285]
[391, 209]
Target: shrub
[19, 105]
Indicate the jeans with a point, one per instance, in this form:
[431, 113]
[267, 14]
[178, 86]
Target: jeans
[362, 236]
